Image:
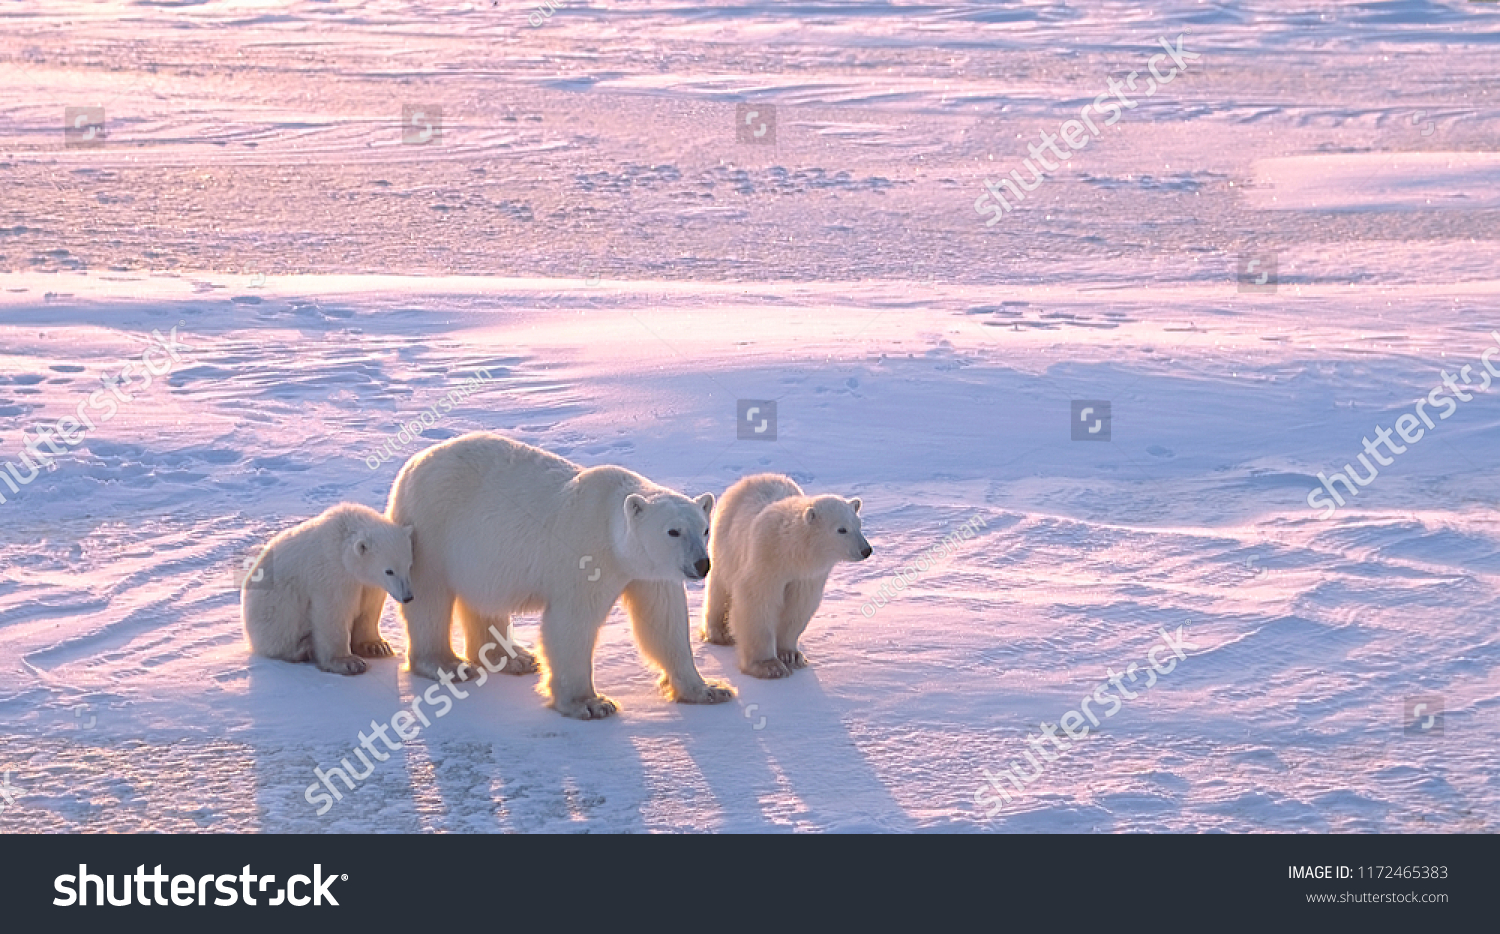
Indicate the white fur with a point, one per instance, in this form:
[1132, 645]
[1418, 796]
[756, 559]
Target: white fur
[773, 548]
[328, 578]
[503, 528]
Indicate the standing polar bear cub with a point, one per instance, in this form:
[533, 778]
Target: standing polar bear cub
[325, 583]
[773, 549]
[501, 527]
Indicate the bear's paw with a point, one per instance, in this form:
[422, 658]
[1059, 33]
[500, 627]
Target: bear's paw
[720, 636]
[345, 665]
[792, 658]
[522, 663]
[711, 692]
[767, 668]
[588, 708]
[377, 649]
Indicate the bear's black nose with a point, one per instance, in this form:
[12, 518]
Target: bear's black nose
[701, 566]
[866, 552]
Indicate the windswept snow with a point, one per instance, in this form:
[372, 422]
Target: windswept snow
[590, 232]
[1378, 182]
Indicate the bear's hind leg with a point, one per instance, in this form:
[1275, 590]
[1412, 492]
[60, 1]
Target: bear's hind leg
[276, 624]
[659, 618]
[802, 598]
[477, 635]
[366, 641]
[569, 630]
[304, 650]
[332, 622]
[716, 611]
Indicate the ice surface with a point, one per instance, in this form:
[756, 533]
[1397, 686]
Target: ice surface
[590, 231]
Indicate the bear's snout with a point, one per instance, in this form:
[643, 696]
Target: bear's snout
[865, 552]
[399, 590]
[701, 566]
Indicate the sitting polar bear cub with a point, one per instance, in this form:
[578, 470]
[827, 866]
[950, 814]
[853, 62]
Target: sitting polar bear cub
[501, 527]
[773, 548]
[324, 588]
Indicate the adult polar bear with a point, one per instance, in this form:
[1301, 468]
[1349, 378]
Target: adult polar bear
[500, 527]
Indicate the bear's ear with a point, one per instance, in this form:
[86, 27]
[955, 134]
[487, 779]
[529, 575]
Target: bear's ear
[855, 504]
[706, 503]
[810, 515]
[635, 504]
[362, 545]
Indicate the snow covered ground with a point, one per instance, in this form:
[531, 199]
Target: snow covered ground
[590, 230]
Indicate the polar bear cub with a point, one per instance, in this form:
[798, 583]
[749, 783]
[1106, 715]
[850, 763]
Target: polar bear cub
[772, 550]
[501, 527]
[324, 585]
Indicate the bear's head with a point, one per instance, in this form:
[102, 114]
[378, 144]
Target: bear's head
[380, 556]
[669, 535]
[834, 531]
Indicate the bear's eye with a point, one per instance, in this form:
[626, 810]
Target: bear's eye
[843, 531]
[390, 573]
[674, 533]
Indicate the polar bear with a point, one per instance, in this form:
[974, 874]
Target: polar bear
[316, 591]
[502, 527]
[773, 548]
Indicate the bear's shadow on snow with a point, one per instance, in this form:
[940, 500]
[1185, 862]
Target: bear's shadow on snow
[803, 749]
[503, 761]
[500, 760]
[302, 719]
[497, 760]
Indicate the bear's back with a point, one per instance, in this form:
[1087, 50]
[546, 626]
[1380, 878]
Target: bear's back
[487, 452]
[748, 497]
[463, 469]
[743, 503]
[609, 484]
[316, 546]
[331, 525]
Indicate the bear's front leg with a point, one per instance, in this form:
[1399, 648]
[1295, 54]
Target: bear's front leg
[569, 630]
[753, 618]
[365, 639]
[801, 600]
[332, 619]
[658, 613]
